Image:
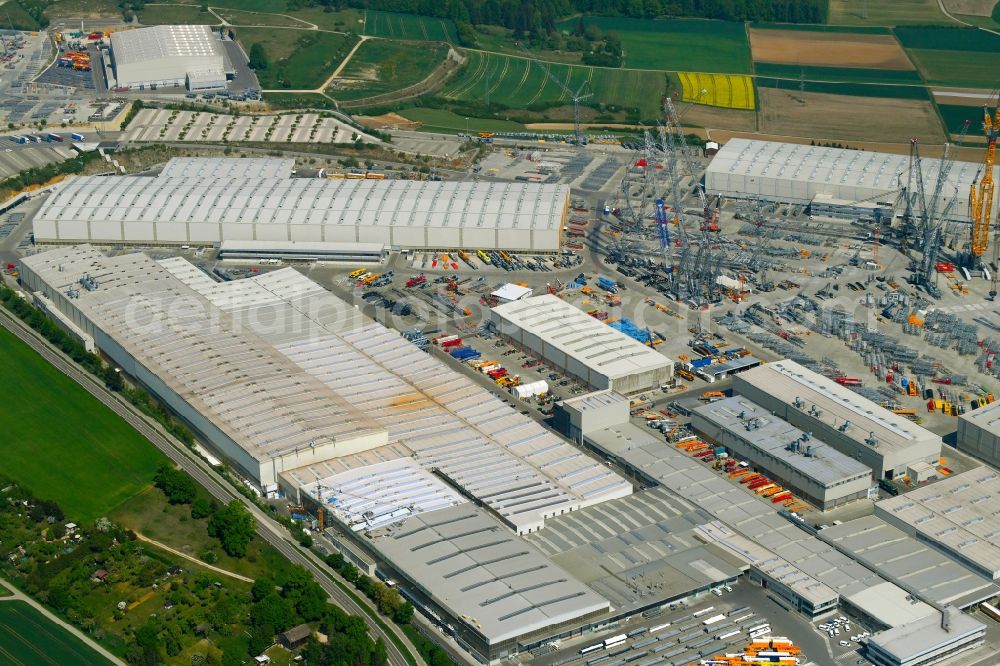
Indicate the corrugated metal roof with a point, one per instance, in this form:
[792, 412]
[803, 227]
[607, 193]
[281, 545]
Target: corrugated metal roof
[936, 578]
[264, 403]
[959, 512]
[162, 42]
[500, 585]
[593, 343]
[310, 201]
[510, 462]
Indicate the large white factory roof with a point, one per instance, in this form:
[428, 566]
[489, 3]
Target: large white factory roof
[837, 404]
[751, 422]
[593, 343]
[164, 42]
[959, 513]
[805, 171]
[263, 402]
[501, 585]
[218, 203]
[442, 419]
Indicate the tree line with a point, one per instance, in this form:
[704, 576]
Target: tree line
[536, 17]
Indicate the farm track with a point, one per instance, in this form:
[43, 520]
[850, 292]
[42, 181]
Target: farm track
[202, 473]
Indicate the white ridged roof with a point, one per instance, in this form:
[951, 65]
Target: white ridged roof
[444, 420]
[228, 199]
[163, 42]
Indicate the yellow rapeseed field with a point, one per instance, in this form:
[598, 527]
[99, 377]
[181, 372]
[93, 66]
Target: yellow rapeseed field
[729, 91]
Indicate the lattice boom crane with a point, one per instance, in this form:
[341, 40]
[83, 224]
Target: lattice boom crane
[981, 198]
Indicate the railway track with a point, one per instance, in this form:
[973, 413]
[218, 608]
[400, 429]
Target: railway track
[270, 531]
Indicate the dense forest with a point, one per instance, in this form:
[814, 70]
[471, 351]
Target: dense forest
[534, 16]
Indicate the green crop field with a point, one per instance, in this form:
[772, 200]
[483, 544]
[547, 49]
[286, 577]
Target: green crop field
[409, 26]
[956, 68]
[446, 121]
[886, 12]
[812, 27]
[948, 39]
[954, 117]
[383, 65]
[28, 638]
[64, 445]
[518, 83]
[845, 74]
[299, 59]
[691, 45]
[854, 89]
[175, 15]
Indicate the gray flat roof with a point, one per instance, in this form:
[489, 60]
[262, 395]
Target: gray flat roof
[595, 400]
[914, 638]
[636, 549]
[959, 512]
[810, 567]
[771, 435]
[787, 380]
[468, 562]
[987, 418]
[572, 331]
[887, 549]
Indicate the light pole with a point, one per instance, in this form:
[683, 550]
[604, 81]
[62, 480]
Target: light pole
[466, 126]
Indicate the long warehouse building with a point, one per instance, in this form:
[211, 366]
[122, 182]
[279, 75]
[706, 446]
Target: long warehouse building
[204, 205]
[798, 461]
[885, 442]
[580, 345]
[837, 182]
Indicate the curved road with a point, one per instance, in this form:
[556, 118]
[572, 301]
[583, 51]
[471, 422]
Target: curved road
[270, 531]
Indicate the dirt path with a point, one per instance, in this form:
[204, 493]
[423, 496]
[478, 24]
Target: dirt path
[17, 595]
[179, 553]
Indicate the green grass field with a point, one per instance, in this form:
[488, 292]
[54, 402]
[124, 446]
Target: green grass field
[237, 17]
[63, 444]
[442, 120]
[278, 6]
[518, 83]
[886, 12]
[691, 45]
[28, 638]
[383, 65]
[948, 39]
[345, 20]
[409, 26]
[301, 58]
[175, 15]
[957, 68]
[81, 9]
[845, 74]
[854, 89]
